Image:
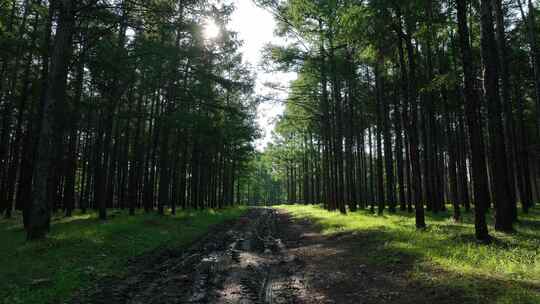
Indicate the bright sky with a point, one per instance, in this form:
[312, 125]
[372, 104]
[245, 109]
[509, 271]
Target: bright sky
[255, 27]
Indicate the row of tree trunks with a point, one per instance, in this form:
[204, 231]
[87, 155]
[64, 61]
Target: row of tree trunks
[79, 129]
[417, 118]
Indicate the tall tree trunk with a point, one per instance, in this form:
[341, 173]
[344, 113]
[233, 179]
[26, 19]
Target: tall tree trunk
[416, 174]
[530, 22]
[506, 100]
[472, 110]
[349, 140]
[380, 109]
[372, 173]
[388, 154]
[452, 163]
[498, 160]
[338, 140]
[39, 216]
[524, 181]
[463, 177]
[164, 178]
[71, 165]
[398, 113]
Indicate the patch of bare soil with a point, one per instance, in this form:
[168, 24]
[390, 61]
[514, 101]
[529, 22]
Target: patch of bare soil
[265, 257]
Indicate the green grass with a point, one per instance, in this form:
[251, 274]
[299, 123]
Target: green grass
[82, 249]
[445, 254]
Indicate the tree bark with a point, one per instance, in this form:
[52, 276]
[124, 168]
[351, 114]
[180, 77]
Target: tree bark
[39, 216]
[498, 160]
[472, 110]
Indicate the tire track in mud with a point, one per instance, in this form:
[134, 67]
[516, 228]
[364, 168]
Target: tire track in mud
[262, 272]
[246, 263]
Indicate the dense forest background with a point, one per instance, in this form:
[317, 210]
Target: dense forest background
[405, 105]
[120, 104]
[409, 105]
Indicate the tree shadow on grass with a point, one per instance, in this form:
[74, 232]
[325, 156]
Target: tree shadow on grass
[81, 248]
[529, 223]
[382, 266]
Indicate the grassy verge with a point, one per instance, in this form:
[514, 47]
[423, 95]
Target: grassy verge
[82, 249]
[445, 254]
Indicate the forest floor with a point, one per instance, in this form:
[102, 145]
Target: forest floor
[365, 258]
[304, 254]
[81, 250]
[250, 261]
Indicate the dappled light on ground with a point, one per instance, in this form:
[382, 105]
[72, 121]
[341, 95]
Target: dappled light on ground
[444, 257]
[83, 249]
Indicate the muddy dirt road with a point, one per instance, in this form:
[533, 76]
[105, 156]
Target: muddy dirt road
[243, 262]
[266, 257]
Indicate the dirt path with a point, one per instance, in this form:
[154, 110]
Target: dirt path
[246, 262]
[263, 258]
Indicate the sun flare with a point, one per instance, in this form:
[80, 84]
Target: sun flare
[211, 29]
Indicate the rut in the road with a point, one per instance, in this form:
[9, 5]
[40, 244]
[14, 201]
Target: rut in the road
[265, 271]
[246, 263]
